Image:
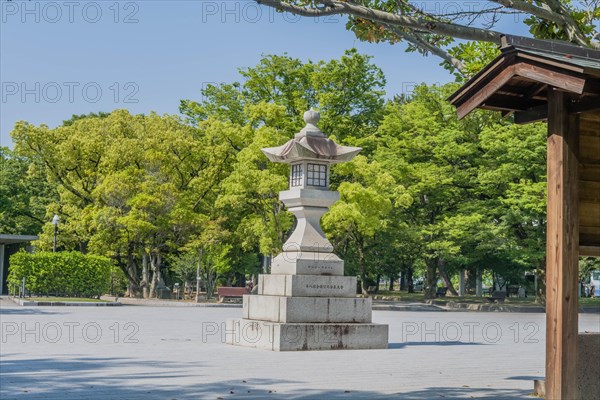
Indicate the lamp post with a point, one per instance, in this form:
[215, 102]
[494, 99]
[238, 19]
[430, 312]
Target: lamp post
[55, 221]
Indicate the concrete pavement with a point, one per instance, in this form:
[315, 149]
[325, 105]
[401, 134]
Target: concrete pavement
[178, 353]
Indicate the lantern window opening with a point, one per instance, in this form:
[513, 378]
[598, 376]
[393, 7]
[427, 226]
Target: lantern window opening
[316, 175]
[297, 175]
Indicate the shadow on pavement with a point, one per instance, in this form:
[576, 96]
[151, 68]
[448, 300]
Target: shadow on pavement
[525, 378]
[442, 344]
[26, 311]
[128, 378]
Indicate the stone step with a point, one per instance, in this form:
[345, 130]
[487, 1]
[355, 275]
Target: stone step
[305, 336]
[307, 285]
[307, 263]
[307, 309]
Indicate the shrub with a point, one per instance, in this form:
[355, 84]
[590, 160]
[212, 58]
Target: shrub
[62, 274]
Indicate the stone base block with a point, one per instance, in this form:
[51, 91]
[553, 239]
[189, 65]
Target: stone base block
[307, 285]
[588, 371]
[306, 336]
[588, 368]
[307, 309]
[307, 263]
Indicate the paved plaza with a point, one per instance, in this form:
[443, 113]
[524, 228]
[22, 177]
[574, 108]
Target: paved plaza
[133, 352]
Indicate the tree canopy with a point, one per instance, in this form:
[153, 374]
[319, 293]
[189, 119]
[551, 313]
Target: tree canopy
[172, 198]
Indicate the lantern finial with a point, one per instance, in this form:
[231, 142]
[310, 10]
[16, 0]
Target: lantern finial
[312, 117]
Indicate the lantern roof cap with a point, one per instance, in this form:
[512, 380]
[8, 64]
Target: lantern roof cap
[311, 144]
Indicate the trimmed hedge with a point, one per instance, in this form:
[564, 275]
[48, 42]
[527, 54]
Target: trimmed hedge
[68, 273]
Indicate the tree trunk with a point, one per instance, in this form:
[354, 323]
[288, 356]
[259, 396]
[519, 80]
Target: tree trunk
[363, 270]
[132, 286]
[431, 277]
[145, 275]
[410, 284]
[267, 263]
[478, 283]
[240, 279]
[154, 278]
[378, 282]
[160, 280]
[157, 281]
[444, 275]
[471, 280]
[391, 287]
[198, 270]
[540, 276]
[132, 274]
[210, 279]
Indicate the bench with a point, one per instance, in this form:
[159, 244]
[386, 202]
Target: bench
[512, 291]
[497, 297]
[441, 292]
[225, 291]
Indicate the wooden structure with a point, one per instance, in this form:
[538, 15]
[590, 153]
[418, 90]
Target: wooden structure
[537, 80]
[224, 291]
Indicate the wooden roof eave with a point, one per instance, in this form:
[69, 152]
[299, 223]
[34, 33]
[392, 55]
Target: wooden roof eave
[458, 96]
[509, 65]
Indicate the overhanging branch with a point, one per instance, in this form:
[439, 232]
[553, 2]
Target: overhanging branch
[554, 12]
[416, 23]
[418, 41]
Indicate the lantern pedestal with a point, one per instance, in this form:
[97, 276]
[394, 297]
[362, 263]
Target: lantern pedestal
[279, 336]
[307, 263]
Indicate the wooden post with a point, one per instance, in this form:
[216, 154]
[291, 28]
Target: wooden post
[562, 249]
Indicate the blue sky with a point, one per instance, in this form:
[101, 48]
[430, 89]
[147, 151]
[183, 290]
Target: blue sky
[60, 58]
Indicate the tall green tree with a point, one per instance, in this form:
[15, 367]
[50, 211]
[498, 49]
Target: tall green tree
[359, 221]
[120, 181]
[24, 194]
[266, 110]
[477, 186]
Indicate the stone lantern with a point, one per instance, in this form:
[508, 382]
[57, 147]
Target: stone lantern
[310, 155]
[307, 303]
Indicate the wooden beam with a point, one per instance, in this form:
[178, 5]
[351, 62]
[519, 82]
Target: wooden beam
[589, 214]
[589, 191]
[514, 90]
[590, 148]
[589, 172]
[511, 103]
[589, 229]
[465, 92]
[589, 235]
[486, 91]
[589, 251]
[589, 124]
[592, 86]
[536, 90]
[551, 76]
[562, 251]
[554, 63]
[535, 114]
[584, 105]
